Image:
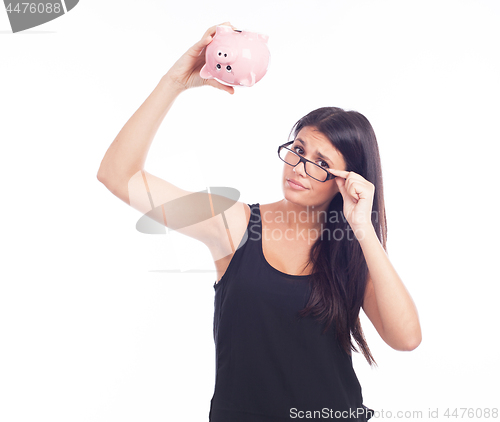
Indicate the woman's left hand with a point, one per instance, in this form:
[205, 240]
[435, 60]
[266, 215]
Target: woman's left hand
[357, 193]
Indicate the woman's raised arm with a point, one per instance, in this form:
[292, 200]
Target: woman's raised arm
[122, 168]
[127, 154]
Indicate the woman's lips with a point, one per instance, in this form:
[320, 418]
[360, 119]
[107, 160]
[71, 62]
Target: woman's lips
[295, 185]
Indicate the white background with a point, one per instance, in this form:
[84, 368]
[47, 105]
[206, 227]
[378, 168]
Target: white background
[91, 330]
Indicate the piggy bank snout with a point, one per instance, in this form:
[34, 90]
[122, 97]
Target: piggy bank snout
[224, 55]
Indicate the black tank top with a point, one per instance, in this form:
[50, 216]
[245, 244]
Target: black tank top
[270, 363]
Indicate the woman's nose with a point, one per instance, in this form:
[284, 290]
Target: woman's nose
[300, 169]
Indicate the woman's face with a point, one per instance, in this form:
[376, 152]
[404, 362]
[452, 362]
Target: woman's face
[316, 147]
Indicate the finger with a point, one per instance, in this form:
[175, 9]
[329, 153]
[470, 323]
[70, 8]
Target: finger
[341, 186]
[211, 31]
[345, 174]
[353, 191]
[207, 38]
[357, 190]
[215, 84]
[228, 24]
[344, 191]
[200, 45]
[340, 173]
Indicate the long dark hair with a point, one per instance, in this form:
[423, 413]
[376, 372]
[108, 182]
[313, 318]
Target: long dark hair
[339, 270]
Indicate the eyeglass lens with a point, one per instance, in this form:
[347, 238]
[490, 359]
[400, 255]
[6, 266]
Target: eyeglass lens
[312, 170]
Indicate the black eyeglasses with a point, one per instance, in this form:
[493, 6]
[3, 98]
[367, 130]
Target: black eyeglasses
[312, 169]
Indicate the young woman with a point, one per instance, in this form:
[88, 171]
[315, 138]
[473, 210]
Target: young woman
[291, 275]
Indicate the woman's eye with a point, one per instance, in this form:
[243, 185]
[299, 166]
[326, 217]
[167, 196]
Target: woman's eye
[296, 148]
[326, 164]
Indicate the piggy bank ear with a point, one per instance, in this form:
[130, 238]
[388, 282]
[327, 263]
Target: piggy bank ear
[263, 37]
[250, 81]
[204, 73]
[223, 29]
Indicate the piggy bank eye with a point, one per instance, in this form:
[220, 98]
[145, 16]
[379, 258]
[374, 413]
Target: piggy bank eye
[218, 66]
[228, 68]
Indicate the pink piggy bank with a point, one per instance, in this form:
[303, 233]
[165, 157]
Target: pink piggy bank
[236, 57]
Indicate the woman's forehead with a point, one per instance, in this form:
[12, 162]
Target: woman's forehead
[316, 142]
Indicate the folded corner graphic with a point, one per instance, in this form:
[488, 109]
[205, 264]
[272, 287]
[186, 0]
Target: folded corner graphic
[70, 4]
[188, 210]
[25, 15]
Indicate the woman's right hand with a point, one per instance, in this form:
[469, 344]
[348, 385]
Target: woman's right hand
[186, 70]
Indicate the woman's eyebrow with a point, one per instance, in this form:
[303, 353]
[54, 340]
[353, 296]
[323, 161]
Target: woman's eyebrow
[317, 152]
